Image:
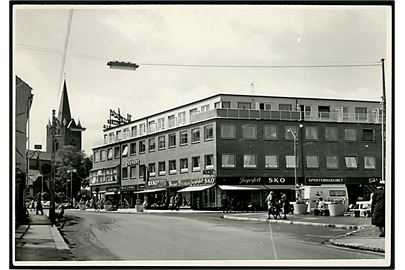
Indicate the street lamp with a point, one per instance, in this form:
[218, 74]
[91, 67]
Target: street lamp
[71, 171]
[295, 134]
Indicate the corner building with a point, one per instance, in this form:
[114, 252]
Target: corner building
[241, 146]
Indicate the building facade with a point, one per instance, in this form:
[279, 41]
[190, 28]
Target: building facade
[241, 146]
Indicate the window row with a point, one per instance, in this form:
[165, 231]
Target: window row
[312, 162]
[272, 132]
[174, 167]
[182, 138]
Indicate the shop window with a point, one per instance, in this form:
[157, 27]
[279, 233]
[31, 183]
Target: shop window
[162, 168]
[132, 171]
[228, 131]
[116, 152]
[332, 162]
[183, 138]
[125, 150]
[172, 166]
[312, 162]
[228, 161]
[209, 162]
[290, 162]
[142, 147]
[249, 132]
[208, 133]
[109, 153]
[183, 165]
[249, 161]
[284, 107]
[196, 164]
[96, 156]
[102, 155]
[152, 144]
[368, 135]
[161, 142]
[350, 135]
[172, 140]
[369, 163]
[270, 133]
[244, 105]
[351, 162]
[331, 134]
[125, 173]
[311, 133]
[195, 135]
[271, 162]
[152, 169]
[289, 133]
[132, 149]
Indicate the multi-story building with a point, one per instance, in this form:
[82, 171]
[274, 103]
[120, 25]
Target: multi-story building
[243, 146]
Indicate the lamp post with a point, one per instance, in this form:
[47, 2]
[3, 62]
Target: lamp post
[295, 134]
[71, 171]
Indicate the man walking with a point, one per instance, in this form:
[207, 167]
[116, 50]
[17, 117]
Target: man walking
[39, 206]
[378, 209]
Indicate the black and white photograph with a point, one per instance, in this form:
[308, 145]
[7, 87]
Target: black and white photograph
[216, 135]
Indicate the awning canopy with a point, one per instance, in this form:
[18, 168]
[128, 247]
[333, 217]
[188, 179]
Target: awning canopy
[195, 188]
[151, 190]
[280, 186]
[242, 187]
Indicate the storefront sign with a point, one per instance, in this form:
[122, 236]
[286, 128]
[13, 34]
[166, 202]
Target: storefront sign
[133, 162]
[202, 181]
[324, 180]
[127, 188]
[266, 181]
[179, 183]
[250, 181]
[156, 183]
[363, 180]
[114, 189]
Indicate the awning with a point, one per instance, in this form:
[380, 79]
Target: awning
[151, 190]
[195, 188]
[280, 186]
[242, 187]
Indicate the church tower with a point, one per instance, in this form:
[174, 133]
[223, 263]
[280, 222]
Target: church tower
[68, 132]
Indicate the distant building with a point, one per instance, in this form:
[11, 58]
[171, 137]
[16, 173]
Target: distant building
[23, 99]
[241, 146]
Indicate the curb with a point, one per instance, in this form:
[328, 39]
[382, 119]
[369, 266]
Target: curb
[355, 246]
[58, 239]
[341, 226]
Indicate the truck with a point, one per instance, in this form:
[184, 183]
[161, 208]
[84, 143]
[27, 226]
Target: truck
[329, 193]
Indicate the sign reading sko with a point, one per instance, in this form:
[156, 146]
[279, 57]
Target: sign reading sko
[325, 180]
[202, 181]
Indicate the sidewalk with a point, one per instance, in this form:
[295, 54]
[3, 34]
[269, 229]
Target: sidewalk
[40, 241]
[363, 237]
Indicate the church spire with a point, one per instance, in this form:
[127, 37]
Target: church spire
[64, 110]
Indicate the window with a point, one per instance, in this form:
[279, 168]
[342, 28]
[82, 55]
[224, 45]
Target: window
[337, 193]
[244, 105]
[369, 163]
[217, 105]
[96, 156]
[172, 166]
[102, 155]
[109, 153]
[132, 149]
[290, 132]
[162, 168]
[345, 113]
[152, 126]
[368, 135]
[142, 146]
[152, 169]
[183, 165]
[312, 162]
[249, 131]
[332, 162]
[351, 162]
[126, 132]
[311, 133]
[361, 113]
[324, 112]
[161, 123]
[133, 131]
[152, 144]
[183, 138]
[142, 129]
[350, 135]
[132, 171]
[228, 161]
[307, 110]
[271, 162]
[172, 140]
[284, 107]
[125, 150]
[161, 142]
[116, 152]
[205, 108]
[193, 114]
[249, 161]
[209, 162]
[105, 138]
[142, 171]
[195, 135]
[182, 118]
[172, 121]
[226, 105]
[331, 134]
[118, 134]
[270, 133]
[125, 173]
[195, 161]
[228, 131]
[290, 162]
[208, 133]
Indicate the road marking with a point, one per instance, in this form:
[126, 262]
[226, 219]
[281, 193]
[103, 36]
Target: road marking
[319, 236]
[272, 242]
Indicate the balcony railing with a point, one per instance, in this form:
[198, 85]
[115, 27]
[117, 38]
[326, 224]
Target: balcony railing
[337, 116]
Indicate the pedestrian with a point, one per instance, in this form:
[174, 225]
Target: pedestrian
[39, 206]
[378, 209]
[225, 204]
[177, 201]
[285, 204]
[172, 202]
[271, 204]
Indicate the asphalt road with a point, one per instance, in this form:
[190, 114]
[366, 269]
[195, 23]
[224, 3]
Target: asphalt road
[202, 236]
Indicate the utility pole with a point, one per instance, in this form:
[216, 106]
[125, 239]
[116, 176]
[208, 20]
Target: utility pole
[383, 124]
[52, 180]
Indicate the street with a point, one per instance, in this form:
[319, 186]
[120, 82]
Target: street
[98, 236]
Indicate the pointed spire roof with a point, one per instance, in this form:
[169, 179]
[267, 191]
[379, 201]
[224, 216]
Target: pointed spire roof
[64, 115]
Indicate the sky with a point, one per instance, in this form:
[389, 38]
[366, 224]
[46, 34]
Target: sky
[242, 35]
